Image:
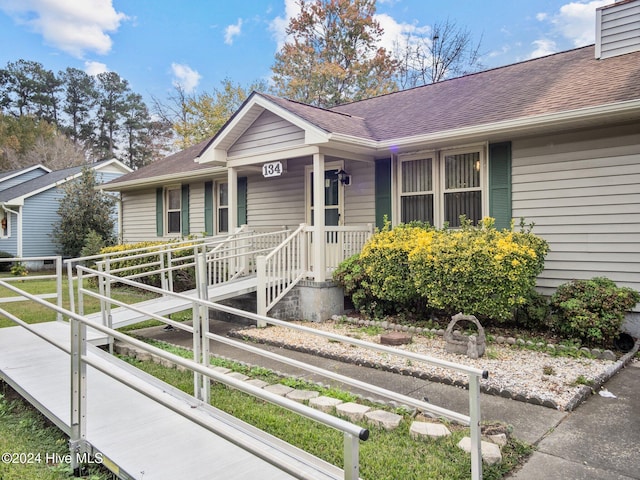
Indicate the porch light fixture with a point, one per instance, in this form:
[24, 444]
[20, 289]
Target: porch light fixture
[343, 177]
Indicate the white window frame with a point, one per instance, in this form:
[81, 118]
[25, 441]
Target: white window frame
[438, 185]
[8, 216]
[308, 170]
[168, 210]
[219, 207]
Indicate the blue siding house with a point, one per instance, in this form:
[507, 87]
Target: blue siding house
[29, 201]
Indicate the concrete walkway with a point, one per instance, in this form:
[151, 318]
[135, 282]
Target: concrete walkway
[598, 440]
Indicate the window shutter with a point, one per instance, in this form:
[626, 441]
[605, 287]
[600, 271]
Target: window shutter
[159, 212]
[184, 213]
[208, 208]
[383, 191]
[500, 184]
[242, 201]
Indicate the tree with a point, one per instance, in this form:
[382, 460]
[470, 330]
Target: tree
[19, 135]
[83, 209]
[447, 52]
[196, 117]
[112, 90]
[79, 103]
[333, 56]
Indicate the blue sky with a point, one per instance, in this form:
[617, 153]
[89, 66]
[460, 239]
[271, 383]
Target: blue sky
[156, 44]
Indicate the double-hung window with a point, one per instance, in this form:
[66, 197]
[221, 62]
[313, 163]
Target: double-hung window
[174, 208]
[439, 187]
[223, 206]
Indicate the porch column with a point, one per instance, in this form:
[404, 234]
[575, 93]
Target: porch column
[319, 260]
[232, 190]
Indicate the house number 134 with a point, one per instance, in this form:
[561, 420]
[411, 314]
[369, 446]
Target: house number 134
[273, 169]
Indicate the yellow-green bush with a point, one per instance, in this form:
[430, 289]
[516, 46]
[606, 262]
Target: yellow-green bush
[475, 270]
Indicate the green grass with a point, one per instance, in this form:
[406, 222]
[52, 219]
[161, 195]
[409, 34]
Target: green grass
[32, 312]
[29, 444]
[386, 455]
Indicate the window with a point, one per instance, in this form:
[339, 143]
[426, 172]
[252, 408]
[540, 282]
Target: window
[416, 196]
[5, 224]
[223, 207]
[174, 208]
[440, 187]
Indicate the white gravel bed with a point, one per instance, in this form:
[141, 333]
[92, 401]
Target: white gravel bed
[512, 369]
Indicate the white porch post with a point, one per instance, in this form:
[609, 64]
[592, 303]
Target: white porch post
[319, 260]
[232, 179]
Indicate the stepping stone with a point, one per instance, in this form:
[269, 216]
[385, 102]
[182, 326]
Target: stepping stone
[238, 376]
[278, 389]
[421, 430]
[490, 451]
[395, 338]
[353, 411]
[384, 419]
[324, 404]
[499, 439]
[302, 395]
[221, 370]
[256, 382]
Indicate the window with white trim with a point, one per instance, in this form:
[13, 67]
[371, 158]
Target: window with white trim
[5, 224]
[439, 187]
[173, 196]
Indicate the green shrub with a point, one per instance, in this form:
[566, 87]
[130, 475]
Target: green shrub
[477, 270]
[5, 266]
[534, 313]
[591, 310]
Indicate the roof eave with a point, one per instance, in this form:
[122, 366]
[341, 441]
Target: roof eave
[115, 186]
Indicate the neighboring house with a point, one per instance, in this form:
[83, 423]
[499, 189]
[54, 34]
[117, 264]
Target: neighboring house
[554, 140]
[29, 201]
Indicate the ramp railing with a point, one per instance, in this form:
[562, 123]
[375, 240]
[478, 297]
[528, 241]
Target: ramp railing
[201, 347]
[80, 444]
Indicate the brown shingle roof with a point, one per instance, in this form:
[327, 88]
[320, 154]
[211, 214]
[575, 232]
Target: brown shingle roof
[556, 83]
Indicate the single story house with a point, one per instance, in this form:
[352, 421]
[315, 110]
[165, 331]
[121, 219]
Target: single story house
[553, 140]
[29, 201]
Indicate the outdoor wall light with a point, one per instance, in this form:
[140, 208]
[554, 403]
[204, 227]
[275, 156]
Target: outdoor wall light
[344, 178]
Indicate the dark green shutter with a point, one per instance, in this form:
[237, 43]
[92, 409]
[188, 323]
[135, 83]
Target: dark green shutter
[383, 191]
[500, 183]
[184, 213]
[208, 208]
[242, 201]
[159, 212]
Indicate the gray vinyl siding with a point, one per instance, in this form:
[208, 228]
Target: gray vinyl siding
[268, 132]
[278, 201]
[39, 215]
[139, 216]
[582, 192]
[619, 29]
[360, 197]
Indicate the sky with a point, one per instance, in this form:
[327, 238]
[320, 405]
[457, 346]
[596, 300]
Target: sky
[196, 44]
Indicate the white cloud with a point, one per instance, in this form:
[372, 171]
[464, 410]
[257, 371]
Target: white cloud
[185, 77]
[232, 31]
[94, 68]
[278, 25]
[398, 33]
[543, 47]
[576, 21]
[71, 26]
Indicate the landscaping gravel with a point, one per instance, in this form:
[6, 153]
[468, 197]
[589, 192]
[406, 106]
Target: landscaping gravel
[514, 371]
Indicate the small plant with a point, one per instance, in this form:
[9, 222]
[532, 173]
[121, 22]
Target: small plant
[582, 380]
[591, 310]
[19, 270]
[548, 370]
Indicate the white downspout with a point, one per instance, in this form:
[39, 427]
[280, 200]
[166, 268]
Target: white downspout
[18, 215]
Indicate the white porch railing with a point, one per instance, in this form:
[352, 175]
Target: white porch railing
[341, 242]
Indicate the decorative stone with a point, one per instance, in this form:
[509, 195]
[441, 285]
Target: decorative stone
[474, 346]
[256, 382]
[221, 370]
[395, 338]
[500, 339]
[596, 352]
[324, 404]
[490, 451]
[238, 376]
[384, 419]
[278, 389]
[353, 411]
[420, 430]
[302, 396]
[608, 355]
[511, 341]
[499, 439]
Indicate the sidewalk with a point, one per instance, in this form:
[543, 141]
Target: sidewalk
[598, 440]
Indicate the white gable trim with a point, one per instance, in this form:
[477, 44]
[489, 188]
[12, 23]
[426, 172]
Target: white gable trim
[216, 151]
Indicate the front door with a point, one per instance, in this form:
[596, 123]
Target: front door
[332, 198]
